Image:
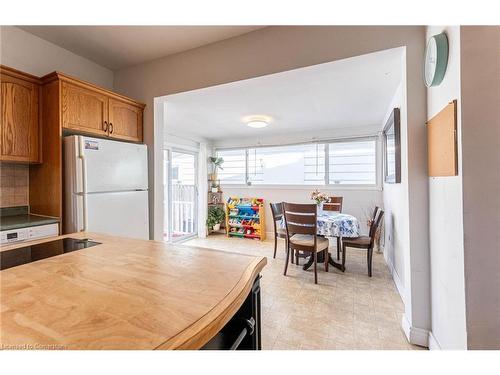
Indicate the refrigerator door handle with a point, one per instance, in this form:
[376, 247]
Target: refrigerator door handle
[84, 185]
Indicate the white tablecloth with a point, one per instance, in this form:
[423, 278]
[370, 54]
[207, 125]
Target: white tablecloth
[334, 224]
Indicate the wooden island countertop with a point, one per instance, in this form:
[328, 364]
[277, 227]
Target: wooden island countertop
[123, 294]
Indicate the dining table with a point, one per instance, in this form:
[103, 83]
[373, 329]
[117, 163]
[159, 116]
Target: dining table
[333, 224]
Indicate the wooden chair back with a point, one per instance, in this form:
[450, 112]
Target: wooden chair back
[375, 225]
[334, 204]
[277, 211]
[300, 218]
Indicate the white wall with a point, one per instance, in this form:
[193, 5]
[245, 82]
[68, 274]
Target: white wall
[395, 202]
[446, 236]
[407, 221]
[26, 52]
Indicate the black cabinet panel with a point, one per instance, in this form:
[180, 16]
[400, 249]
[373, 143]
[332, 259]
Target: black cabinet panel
[243, 331]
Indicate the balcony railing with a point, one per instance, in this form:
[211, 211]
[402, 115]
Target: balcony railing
[183, 210]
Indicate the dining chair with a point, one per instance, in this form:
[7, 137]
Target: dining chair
[364, 242]
[301, 227]
[334, 204]
[277, 212]
[339, 239]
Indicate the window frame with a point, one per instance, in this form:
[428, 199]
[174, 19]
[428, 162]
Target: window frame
[245, 149]
[378, 162]
[326, 183]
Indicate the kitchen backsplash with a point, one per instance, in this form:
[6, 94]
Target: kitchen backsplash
[14, 180]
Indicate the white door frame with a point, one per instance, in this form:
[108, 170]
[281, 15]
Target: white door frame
[194, 153]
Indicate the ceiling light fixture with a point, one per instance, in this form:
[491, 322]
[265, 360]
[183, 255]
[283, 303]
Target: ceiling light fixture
[257, 122]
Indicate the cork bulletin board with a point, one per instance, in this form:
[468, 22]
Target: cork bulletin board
[442, 142]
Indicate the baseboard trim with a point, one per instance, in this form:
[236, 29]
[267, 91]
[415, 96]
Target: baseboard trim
[433, 342]
[415, 335]
[397, 280]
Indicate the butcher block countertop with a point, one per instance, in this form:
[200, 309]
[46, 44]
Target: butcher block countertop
[123, 294]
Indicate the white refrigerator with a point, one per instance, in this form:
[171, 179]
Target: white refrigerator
[106, 187]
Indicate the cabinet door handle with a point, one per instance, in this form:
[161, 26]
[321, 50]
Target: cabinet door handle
[110, 128]
[105, 128]
[250, 325]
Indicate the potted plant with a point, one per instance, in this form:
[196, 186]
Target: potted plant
[215, 217]
[216, 164]
[214, 188]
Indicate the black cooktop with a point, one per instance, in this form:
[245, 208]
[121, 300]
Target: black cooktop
[28, 254]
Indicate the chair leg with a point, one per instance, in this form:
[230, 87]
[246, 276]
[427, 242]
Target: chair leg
[287, 258]
[369, 260]
[293, 252]
[297, 257]
[343, 257]
[275, 245]
[327, 258]
[338, 248]
[315, 267]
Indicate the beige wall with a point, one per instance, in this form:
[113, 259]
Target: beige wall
[480, 86]
[281, 48]
[31, 54]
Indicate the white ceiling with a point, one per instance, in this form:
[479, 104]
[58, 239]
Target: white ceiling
[117, 47]
[354, 92]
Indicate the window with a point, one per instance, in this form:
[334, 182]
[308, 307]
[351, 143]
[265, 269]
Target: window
[183, 168]
[234, 171]
[287, 165]
[349, 162]
[352, 162]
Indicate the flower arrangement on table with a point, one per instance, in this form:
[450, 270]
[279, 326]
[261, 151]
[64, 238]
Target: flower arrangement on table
[319, 197]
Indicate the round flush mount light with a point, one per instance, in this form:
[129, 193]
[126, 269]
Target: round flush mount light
[257, 122]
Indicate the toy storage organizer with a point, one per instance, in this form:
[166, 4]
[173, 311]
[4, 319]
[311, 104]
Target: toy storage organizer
[245, 218]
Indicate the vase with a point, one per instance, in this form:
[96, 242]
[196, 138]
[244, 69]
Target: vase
[320, 207]
[217, 226]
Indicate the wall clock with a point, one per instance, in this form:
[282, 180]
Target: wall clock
[436, 60]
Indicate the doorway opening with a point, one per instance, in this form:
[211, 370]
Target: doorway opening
[181, 195]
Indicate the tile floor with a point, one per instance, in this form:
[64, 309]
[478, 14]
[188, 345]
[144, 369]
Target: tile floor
[344, 311]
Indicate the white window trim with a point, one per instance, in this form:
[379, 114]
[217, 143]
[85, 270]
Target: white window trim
[326, 186]
[329, 187]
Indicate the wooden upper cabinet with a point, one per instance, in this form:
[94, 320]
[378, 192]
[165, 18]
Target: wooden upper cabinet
[88, 109]
[125, 120]
[83, 109]
[19, 117]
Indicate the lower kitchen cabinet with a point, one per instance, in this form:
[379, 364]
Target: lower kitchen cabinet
[243, 331]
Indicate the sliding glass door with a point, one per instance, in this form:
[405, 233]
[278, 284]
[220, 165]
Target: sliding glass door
[181, 195]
